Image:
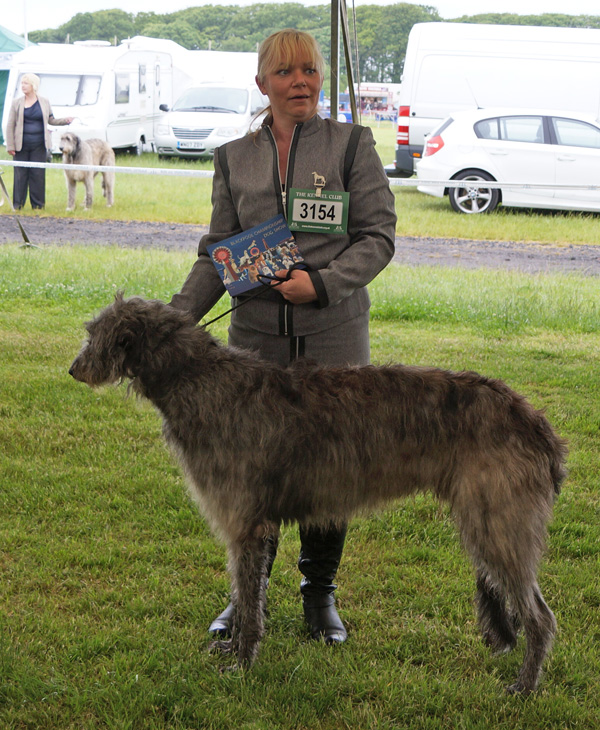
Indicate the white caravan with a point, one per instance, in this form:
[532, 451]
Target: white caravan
[454, 66]
[113, 92]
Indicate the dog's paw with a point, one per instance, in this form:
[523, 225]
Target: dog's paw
[221, 647]
[499, 645]
[518, 688]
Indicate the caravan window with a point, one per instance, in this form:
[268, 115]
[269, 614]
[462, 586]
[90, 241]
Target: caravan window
[89, 89]
[69, 89]
[122, 89]
[142, 80]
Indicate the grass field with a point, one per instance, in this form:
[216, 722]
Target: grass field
[110, 578]
[187, 200]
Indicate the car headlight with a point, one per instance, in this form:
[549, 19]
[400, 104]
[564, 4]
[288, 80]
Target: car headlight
[228, 131]
[162, 129]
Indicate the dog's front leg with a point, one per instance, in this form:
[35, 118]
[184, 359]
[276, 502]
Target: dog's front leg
[248, 567]
[71, 194]
[89, 190]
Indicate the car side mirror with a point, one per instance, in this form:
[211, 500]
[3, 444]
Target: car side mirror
[164, 107]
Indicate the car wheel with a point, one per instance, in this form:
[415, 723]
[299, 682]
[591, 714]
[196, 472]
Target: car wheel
[473, 199]
[138, 148]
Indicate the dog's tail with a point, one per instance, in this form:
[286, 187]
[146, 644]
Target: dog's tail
[538, 433]
[558, 469]
[556, 451]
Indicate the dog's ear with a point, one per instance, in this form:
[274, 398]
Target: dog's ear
[145, 334]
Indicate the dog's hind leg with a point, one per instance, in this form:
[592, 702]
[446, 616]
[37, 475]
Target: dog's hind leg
[108, 181]
[497, 625]
[539, 625]
[503, 529]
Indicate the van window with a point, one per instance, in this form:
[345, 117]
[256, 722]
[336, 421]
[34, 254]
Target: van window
[122, 89]
[258, 102]
[69, 89]
[576, 134]
[213, 99]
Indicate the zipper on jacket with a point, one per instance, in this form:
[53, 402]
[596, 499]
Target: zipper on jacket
[286, 312]
[279, 184]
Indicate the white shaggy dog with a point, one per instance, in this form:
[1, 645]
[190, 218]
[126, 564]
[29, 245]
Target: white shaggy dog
[76, 151]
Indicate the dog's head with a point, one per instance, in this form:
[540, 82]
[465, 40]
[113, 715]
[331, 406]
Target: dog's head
[128, 338]
[69, 144]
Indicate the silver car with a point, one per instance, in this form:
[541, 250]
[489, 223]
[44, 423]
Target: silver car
[206, 116]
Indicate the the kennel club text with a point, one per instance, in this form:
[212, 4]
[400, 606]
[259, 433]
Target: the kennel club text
[324, 212]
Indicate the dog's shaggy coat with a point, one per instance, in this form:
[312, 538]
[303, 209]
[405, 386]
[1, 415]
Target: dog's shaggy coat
[76, 151]
[262, 445]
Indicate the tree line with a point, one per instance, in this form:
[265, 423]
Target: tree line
[381, 32]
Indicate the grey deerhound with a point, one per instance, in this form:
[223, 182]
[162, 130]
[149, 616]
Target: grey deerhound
[91, 152]
[262, 445]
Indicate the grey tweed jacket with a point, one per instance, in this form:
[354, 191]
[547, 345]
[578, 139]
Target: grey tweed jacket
[341, 265]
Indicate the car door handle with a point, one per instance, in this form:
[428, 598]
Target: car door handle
[498, 152]
[566, 158]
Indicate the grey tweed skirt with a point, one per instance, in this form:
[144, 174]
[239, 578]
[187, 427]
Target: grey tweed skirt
[339, 346]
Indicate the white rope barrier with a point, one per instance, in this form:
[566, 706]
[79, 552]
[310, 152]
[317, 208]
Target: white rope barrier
[106, 168]
[394, 181]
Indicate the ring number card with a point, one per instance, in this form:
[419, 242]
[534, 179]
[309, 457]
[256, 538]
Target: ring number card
[318, 211]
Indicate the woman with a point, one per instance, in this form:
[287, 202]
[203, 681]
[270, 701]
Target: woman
[28, 139]
[322, 312]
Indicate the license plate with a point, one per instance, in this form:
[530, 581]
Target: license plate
[191, 145]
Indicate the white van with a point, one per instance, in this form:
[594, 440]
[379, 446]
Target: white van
[206, 116]
[454, 66]
[113, 92]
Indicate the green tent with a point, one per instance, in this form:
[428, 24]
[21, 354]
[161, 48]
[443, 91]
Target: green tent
[9, 43]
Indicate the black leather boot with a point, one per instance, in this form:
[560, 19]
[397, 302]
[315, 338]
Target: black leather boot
[320, 555]
[221, 626]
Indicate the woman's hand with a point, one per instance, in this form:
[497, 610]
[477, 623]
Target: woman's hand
[298, 289]
[11, 152]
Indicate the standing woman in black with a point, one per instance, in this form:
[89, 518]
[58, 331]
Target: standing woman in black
[322, 312]
[28, 139]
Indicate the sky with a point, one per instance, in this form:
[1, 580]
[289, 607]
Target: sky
[27, 15]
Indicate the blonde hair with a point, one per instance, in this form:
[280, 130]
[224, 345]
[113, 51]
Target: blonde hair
[33, 80]
[283, 48]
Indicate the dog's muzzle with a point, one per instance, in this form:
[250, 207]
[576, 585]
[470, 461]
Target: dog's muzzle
[73, 370]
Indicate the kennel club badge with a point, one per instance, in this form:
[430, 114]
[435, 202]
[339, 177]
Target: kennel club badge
[318, 210]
